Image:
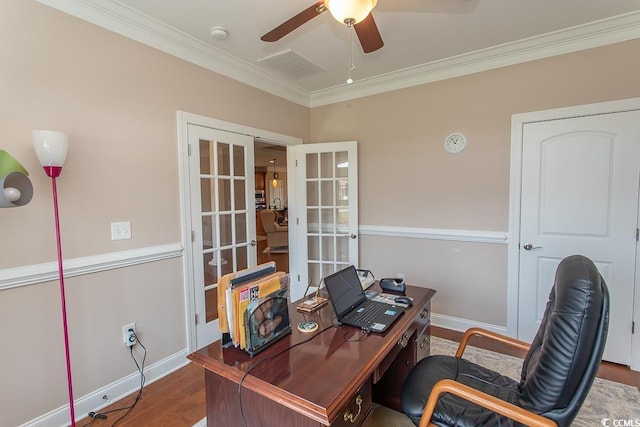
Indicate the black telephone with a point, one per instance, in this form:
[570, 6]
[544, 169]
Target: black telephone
[392, 285]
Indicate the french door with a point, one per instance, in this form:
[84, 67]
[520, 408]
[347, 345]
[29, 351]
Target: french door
[326, 211]
[222, 216]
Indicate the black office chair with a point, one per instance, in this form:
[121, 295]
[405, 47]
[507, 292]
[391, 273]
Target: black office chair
[557, 372]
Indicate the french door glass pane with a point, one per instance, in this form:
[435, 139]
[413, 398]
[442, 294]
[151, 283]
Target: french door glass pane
[211, 304]
[227, 261]
[208, 232]
[242, 257]
[313, 247]
[342, 164]
[240, 194]
[342, 249]
[313, 220]
[238, 161]
[326, 193]
[313, 195]
[312, 166]
[226, 235]
[207, 194]
[328, 253]
[326, 165]
[206, 157]
[241, 228]
[327, 221]
[224, 197]
[224, 162]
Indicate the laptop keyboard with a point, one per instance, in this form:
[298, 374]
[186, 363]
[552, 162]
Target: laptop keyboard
[366, 318]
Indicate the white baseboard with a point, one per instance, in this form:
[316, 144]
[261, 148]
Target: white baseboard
[116, 390]
[461, 325]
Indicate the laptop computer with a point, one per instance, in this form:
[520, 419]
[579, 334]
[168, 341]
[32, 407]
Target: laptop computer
[352, 306]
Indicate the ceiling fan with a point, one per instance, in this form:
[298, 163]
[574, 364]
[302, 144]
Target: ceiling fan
[353, 13]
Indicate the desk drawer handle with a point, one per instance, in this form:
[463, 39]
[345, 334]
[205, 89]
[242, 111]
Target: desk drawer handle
[424, 343]
[349, 416]
[424, 314]
[404, 340]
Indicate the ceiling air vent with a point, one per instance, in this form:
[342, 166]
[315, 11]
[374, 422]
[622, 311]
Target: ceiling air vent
[291, 64]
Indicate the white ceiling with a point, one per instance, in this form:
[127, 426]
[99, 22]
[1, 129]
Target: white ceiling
[425, 40]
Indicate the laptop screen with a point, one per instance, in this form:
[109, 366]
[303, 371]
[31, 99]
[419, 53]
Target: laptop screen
[345, 290]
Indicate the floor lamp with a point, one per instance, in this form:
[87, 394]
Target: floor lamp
[51, 149]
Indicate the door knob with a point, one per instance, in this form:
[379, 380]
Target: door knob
[253, 243]
[529, 246]
[353, 236]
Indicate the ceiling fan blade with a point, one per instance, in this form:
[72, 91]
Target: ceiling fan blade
[295, 22]
[368, 34]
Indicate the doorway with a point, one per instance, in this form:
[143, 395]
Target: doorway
[271, 190]
[200, 253]
[575, 180]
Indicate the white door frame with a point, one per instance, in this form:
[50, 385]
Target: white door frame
[517, 124]
[184, 119]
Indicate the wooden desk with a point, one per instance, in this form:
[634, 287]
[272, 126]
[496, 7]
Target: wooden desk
[328, 380]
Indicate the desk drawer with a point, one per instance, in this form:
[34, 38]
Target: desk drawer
[423, 318]
[423, 344]
[356, 411]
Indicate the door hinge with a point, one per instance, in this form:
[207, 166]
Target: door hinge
[296, 162]
[297, 221]
[193, 236]
[633, 327]
[196, 318]
[188, 149]
[637, 234]
[298, 279]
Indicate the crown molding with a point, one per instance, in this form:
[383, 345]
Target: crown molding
[126, 21]
[594, 34]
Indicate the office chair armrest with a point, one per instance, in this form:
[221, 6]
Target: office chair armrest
[512, 342]
[487, 401]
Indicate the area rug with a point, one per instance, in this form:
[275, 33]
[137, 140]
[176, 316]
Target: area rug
[608, 402]
[276, 250]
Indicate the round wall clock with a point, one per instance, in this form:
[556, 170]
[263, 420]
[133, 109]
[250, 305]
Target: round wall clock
[455, 143]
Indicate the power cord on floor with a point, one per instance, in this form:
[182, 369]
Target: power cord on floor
[140, 366]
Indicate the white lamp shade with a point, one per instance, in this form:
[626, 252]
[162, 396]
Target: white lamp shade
[51, 147]
[343, 10]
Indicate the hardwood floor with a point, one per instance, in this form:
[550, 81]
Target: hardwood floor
[282, 260]
[179, 399]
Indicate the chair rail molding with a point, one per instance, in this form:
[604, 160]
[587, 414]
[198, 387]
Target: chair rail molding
[38, 273]
[477, 236]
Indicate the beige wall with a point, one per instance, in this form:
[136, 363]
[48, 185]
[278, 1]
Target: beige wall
[406, 179]
[117, 100]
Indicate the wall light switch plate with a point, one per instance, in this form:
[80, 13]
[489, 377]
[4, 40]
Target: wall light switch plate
[121, 230]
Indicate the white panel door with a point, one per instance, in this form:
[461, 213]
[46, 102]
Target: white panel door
[580, 180]
[327, 210]
[221, 185]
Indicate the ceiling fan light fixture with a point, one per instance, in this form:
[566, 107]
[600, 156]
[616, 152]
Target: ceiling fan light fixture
[350, 11]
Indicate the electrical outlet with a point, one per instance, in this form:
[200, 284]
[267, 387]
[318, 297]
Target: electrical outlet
[128, 334]
[121, 230]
